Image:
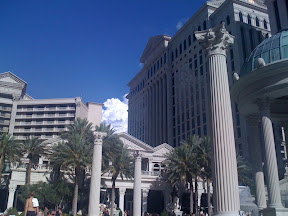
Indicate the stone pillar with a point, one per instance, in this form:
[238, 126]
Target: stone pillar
[215, 41]
[95, 186]
[12, 189]
[145, 193]
[270, 156]
[122, 192]
[256, 156]
[150, 164]
[137, 186]
[16, 98]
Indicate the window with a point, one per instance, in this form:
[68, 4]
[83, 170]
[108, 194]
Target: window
[265, 24]
[172, 56]
[228, 20]
[165, 58]
[176, 53]
[241, 17]
[199, 28]
[257, 22]
[249, 19]
[189, 40]
[184, 44]
[204, 25]
[180, 48]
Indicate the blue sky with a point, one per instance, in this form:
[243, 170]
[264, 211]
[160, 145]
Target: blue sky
[87, 48]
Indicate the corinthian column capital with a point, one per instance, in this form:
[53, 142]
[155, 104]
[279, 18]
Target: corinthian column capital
[99, 136]
[215, 40]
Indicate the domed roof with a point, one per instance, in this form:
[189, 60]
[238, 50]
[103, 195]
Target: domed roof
[271, 50]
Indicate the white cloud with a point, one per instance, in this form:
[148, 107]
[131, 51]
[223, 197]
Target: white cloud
[181, 23]
[116, 113]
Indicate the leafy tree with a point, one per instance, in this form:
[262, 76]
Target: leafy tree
[116, 158]
[75, 152]
[245, 175]
[179, 169]
[205, 156]
[10, 150]
[33, 148]
[50, 195]
[193, 143]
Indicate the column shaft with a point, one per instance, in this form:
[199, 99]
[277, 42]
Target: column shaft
[95, 186]
[137, 187]
[12, 189]
[270, 159]
[225, 179]
[145, 203]
[255, 151]
[122, 198]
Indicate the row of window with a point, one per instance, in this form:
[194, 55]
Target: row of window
[249, 20]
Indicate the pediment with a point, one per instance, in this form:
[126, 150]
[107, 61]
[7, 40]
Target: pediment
[11, 78]
[153, 43]
[163, 149]
[215, 3]
[133, 143]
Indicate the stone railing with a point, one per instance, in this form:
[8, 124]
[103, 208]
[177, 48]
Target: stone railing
[150, 173]
[34, 167]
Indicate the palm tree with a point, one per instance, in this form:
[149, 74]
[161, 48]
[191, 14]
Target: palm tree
[75, 152]
[121, 164]
[34, 148]
[245, 175]
[10, 150]
[116, 158]
[193, 143]
[205, 156]
[179, 169]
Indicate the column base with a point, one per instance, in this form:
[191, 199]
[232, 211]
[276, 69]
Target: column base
[274, 212]
[227, 213]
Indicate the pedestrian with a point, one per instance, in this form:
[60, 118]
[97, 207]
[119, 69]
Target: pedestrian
[58, 212]
[45, 211]
[31, 206]
[106, 212]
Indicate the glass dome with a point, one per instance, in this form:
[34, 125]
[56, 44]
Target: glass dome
[271, 50]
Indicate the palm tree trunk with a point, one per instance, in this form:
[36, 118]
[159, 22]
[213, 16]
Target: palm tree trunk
[191, 198]
[75, 198]
[113, 196]
[1, 165]
[208, 197]
[196, 195]
[28, 174]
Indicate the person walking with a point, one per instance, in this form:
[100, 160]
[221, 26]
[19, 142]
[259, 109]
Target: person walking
[31, 206]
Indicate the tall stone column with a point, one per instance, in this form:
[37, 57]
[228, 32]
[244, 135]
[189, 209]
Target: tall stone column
[145, 193]
[122, 192]
[270, 156]
[137, 186]
[255, 152]
[215, 41]
[12, 189]
[95, 185]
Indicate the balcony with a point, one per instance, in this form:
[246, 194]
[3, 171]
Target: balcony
[151, 173]
[5, 129]
[41, 109]
[5, 115]
[54, 115]
[5, 108]
[4, 122]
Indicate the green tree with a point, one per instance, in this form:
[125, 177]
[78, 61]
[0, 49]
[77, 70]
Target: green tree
[33, 148]
[117, 160]
[75, 152]
[10, 150]
[50, 195]
[193, 143]
[205, 156]
[179, 169]
[245, 175]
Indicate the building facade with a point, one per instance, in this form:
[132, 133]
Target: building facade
[23, 116]
[168, 98]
